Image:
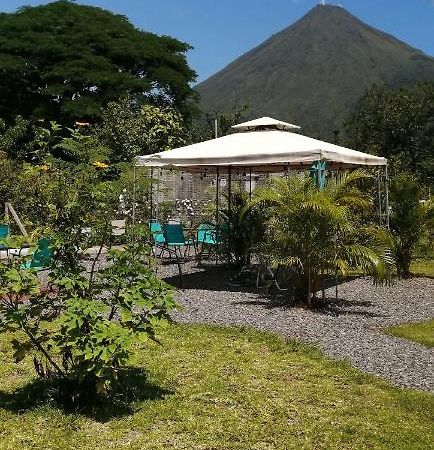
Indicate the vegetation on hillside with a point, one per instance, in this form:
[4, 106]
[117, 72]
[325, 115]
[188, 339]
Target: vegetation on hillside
[314, 72]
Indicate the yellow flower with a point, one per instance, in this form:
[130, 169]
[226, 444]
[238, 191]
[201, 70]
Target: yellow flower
[45, 167]
[100, 165]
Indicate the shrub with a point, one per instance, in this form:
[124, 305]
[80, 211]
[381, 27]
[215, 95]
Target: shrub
[80, 329]
[318, 233]
[411, 219]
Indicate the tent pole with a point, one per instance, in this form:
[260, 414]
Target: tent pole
[380, 212]
[386, 181]
[152, 193]
[216, 127]
[229, 211]
[217, 231]
[250, 184]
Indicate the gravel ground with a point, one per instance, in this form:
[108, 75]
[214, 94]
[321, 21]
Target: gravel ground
[349, 329]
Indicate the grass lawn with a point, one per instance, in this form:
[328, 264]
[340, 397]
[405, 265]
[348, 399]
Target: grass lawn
[418, 332]
[423, 267]
[224, 388]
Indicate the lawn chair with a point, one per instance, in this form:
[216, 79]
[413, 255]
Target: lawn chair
[169, 248]
[42, 257]
[175, 239]
[210, 238]
[4, 233]
[157, 232]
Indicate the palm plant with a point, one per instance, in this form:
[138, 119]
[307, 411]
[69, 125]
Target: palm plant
[411, 219]
[316, 232]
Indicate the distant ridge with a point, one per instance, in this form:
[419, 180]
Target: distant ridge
[313, 72]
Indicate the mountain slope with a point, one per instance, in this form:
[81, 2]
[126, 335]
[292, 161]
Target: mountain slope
[313, 72]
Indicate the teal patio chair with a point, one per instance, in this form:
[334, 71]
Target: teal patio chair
[157, 232]
[4, 233]
[210, 237]
[42, 257]
[175, 239]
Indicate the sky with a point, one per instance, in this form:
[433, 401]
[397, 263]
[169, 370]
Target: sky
[222, 30]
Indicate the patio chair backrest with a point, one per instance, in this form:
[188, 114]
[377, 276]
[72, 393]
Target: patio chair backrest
[206, 233]
[157, 232]
[43, 255]
[4, 230]
[174, 233]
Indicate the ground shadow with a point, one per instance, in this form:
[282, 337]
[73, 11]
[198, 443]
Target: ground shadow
[343, 307]
[215, 278]
[123, 401]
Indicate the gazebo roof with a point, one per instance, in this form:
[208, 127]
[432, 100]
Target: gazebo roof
[269, 150]
[265, 123]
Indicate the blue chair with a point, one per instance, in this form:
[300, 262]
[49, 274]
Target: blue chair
[209, 237]
[157, 232]
[175, 238]
[4, 233]
[42, 257]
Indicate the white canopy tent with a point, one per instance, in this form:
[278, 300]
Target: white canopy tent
[263, 145]
[266, 146]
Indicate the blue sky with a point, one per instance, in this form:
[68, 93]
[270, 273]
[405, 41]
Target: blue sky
[222, 30]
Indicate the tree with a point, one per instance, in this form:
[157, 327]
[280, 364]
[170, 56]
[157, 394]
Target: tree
[410, 219]
[316, 233]
[129, 129]
[399, 125]
[203, 128]
[65, 61]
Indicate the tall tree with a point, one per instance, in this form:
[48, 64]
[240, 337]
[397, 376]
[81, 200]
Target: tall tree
[129, 129]
[65, 61]
[399, 125]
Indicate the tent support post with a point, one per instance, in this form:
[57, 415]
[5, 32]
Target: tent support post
[250, 184]
[380, 212]
[152, 193]
[217, 184]
[229, 211]
[386, 182]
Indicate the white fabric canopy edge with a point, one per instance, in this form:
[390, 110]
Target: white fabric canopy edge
[261, 150]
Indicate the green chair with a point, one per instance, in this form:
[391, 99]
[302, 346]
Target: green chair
[4, 233]
[175, 239]
[157, 232]
[209, 237]
[42, 256]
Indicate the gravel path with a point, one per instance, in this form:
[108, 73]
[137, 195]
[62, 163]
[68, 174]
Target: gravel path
[349, 329]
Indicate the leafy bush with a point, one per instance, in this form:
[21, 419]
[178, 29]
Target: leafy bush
[80, 329]
[317, 233]
[411, 219]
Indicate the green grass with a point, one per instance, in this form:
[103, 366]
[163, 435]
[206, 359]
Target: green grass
[423, 267]
[226, 388]
[423, 333]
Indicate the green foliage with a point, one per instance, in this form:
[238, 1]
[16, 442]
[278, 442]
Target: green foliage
[130, 130]
[203, 128]
[81, 329]
[399, 125]
[244, 230]
[65, 61]
[411, 219]
[317, 233]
